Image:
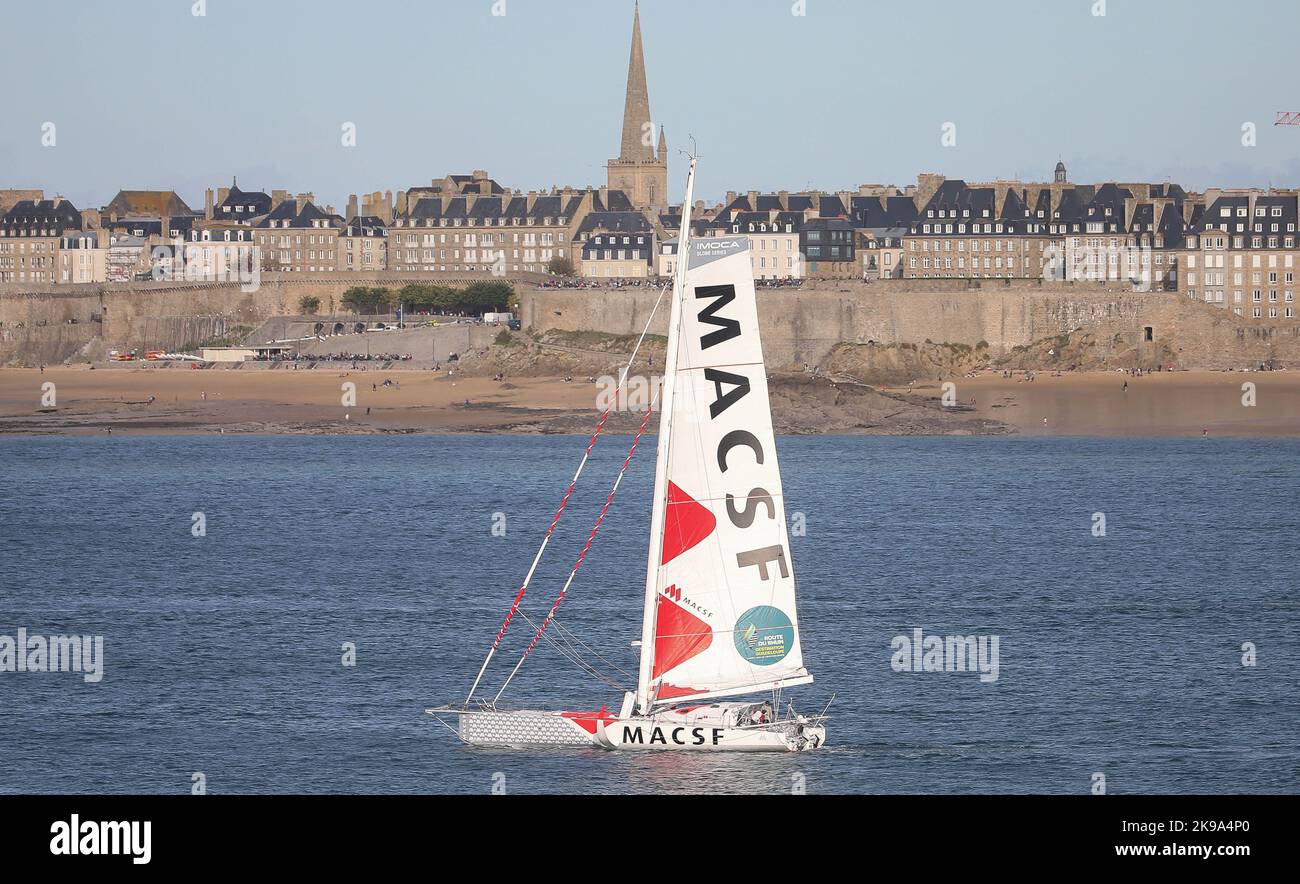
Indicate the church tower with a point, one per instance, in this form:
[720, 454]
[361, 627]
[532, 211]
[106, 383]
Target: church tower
[638, 171]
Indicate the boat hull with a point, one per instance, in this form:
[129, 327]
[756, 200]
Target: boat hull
[715, 728]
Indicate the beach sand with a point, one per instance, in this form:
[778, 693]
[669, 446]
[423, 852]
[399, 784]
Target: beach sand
[1184, 403]
[283, 401]
[287, 401]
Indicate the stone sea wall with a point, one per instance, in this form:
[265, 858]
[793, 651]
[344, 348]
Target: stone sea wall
[799, 326]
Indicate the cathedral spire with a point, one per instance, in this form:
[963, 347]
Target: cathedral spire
[638, 128]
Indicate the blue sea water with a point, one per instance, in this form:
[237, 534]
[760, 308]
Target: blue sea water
[1119, 655]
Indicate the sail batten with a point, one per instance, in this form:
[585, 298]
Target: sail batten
[720, 609]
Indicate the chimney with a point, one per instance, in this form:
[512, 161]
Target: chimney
[209, 210]
[753, 200]
[222, 193]
[401, 203]
[784, 198]
[278, 197]
[353, 208]
[604, 198]
[388, 207]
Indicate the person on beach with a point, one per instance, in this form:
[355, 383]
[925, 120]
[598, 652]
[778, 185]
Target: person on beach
[1126, 386]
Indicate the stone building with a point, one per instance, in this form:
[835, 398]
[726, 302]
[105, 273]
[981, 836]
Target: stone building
[299, 237]
[363, 244]
[507, 233]
[962, 233]
[774, 237]
[10, 197]
[82, 257]
[235, 206]
[31, 236]
[1240, 253]
[215, 253]
[882, 220]
[144, 204]
[640, 170]
[616, 245]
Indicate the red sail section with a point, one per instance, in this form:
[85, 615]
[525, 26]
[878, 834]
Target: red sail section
[686, 523]
[679, 636]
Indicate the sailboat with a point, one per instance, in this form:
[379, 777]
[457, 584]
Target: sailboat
[720, 634]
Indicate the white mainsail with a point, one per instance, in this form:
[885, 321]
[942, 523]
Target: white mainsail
[720, 589]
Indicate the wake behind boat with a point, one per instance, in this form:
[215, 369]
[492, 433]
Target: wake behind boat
[719, 618]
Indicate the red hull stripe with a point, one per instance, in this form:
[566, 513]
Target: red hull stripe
[588, 720]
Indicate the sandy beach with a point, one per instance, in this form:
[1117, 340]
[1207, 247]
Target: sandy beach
[1184, 403]
[283, 401]
[286, 401]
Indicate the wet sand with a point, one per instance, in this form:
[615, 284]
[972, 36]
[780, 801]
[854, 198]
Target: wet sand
[282, 401]
[1185, 403]
[287, 401]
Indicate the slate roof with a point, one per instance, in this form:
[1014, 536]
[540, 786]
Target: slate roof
[255, 203]
[365, 225]
[300, 215]
[27, 215]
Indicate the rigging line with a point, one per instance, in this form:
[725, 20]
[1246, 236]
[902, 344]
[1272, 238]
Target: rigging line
[579, 662]
[583, 555]
[600, 425]
[571, 636]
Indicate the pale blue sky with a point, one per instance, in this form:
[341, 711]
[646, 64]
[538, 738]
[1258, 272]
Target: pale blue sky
[146, 95]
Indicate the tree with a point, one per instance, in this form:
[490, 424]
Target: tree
[368, 300]
[560, 267]
[435, 298]
[309, 305]
[480, 297]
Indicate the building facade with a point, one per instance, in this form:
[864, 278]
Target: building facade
[31, 236]
[298, 237]
[1241, 254]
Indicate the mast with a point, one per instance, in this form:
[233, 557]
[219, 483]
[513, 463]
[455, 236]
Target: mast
[661, 463]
